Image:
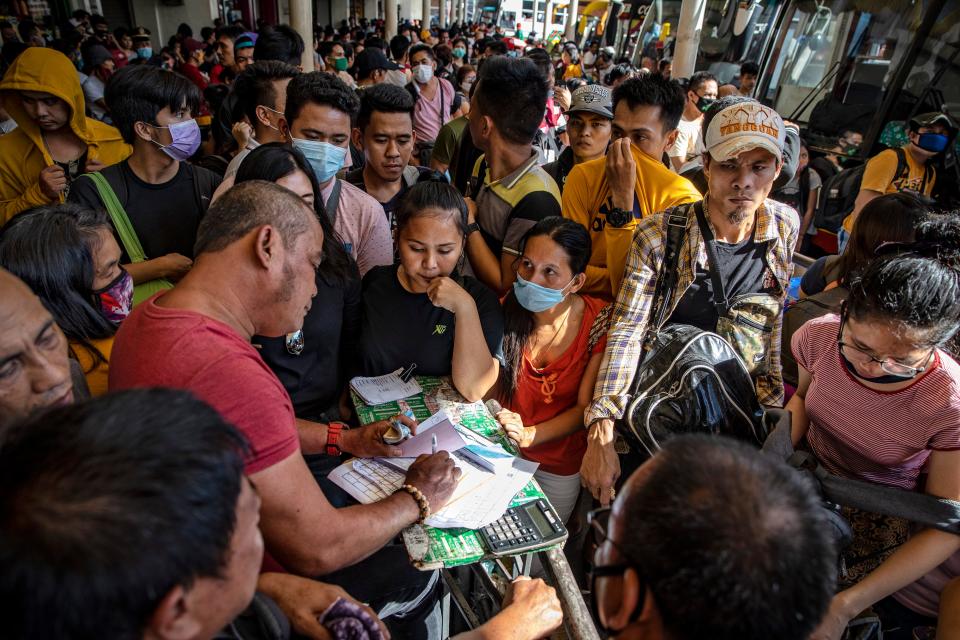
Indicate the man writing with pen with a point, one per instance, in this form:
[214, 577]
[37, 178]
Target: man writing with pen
[257, 248]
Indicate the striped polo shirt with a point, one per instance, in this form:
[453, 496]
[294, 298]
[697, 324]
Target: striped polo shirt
[507, 208]
[876, 436]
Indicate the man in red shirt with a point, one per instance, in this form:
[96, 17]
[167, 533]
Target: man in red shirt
[256, 252]
[193, 58]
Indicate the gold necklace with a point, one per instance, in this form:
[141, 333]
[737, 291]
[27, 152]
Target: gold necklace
[555, 335]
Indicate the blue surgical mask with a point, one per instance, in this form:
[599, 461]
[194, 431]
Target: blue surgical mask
[536, 298]
[325, 158]
[145, 52]
[933, 142]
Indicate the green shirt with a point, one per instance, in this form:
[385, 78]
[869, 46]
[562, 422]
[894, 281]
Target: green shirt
[445, 148]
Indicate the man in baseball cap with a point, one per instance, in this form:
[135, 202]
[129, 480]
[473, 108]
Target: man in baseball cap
[589, 127]
[243, 50]
[751, 240]
[908, 169]
[372, 67]
[142, 44]
[99, 65]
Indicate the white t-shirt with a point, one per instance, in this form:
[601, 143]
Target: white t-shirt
[689, 143]
[93, 91]
[589, 58]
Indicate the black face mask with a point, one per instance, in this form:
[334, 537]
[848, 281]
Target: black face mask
[886, 378]
[704, 104]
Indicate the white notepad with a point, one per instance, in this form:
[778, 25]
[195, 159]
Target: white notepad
[385, 388]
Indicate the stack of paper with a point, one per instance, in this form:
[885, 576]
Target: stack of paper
[385, 388]
[491, 475]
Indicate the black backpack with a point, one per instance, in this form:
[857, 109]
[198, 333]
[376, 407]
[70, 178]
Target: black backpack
[689, 380]
[798, 314]
[839, 193]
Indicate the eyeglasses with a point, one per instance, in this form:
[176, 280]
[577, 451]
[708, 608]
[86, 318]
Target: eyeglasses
[887, 365]
[599, 521]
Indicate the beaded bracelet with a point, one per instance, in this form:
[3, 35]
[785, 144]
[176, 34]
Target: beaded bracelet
[421, 499]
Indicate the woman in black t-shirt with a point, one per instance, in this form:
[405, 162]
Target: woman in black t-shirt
[312, 363]
[422, 311]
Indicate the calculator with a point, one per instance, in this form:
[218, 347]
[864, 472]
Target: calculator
[530, 525]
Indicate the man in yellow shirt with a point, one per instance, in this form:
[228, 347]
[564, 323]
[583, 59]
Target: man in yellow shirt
[929, 134]
[609, 195]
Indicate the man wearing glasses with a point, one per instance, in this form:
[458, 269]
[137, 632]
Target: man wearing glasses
[712, 539]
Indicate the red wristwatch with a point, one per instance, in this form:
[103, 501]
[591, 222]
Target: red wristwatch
[333, 438]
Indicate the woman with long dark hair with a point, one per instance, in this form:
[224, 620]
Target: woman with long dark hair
[890, 218]
[422, 311]
[68, 256]
[879, 401]
[312, 363]
[553, 342]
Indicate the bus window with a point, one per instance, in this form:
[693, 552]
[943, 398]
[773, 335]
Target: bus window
[835, 59]
[727, 39]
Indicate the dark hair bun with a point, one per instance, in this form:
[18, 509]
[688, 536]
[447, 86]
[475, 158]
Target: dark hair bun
[939, 238]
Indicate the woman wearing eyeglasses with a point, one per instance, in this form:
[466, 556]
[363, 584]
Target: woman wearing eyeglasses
[879, 401]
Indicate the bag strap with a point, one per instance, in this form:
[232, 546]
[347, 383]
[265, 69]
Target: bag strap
[677, 220]
[922, 508]
[443, 117]
[713, 264]
[901, 162]
[330, 206]
[121, 222]
[902, 168]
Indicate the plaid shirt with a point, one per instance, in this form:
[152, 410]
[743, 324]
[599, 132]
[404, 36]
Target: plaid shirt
[628, 326]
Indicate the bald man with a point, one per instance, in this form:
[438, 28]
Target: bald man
[257, 251]
[34, 366]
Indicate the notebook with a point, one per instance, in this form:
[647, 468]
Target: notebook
[385, 388]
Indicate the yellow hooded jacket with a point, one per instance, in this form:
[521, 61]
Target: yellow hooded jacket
[23, 154]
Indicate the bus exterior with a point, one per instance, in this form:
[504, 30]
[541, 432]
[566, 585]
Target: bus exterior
[865, 66]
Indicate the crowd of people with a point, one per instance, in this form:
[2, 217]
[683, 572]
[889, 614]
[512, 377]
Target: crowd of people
[202, 243]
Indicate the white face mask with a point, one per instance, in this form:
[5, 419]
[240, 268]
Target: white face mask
[423, 73]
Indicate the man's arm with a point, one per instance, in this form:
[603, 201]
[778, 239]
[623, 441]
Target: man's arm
[879, 172]
[575, 206]
[531, 610]
[310, 538]
[865, 196]
[172, 266]
[678, 152]
[493, 271]
[362, 442]
[497, 272]
[304, 600]
[812, 197]
[628, 327]
[32, 197]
